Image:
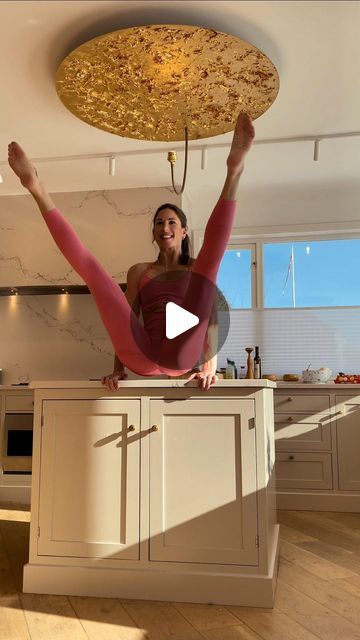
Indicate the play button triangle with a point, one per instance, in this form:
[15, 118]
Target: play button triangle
[178, 320]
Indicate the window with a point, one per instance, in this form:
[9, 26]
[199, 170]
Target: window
[312, 273]
[236, 278]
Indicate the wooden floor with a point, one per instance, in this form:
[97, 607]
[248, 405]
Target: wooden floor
[318, 594]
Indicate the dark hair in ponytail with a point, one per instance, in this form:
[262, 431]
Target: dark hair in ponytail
[185, 257]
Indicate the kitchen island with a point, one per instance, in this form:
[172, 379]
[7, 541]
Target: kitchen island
[156, 491]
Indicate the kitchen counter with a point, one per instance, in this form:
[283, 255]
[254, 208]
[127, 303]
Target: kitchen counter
[180, 382]
[149, 383]
[327, 386]
[15, 387]
[309, 385]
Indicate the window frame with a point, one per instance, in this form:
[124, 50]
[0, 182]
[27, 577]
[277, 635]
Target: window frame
[267, 236]
[239, 246]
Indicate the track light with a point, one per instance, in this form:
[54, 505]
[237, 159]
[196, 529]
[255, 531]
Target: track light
[316, 149]
[204, 159]
[112, 166]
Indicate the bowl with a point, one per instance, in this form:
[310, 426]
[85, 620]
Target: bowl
[316, 375]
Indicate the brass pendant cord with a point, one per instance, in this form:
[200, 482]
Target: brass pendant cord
[178, 193]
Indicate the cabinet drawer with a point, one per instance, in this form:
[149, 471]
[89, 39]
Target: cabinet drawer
[19, 403]
[289, 402]
[295, 470]
[302, 431]
[347, 401]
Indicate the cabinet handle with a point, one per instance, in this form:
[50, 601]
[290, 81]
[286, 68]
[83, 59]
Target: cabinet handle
[154, 428]
[132, 427]
[289, 399]
[290, 419]
[291, 457]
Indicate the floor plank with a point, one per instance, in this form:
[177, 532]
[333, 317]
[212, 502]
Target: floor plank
[206, 616]
[105, 619]
[297, 520]
[240, 632]
[328, 628]
[13, 624]
[342, 557]
[350, 584]
[289, 600]
[161, 621]
[51, 617]
[331, 595]
[312, 563]
[292, 535]
[273, 625]
[334, 525]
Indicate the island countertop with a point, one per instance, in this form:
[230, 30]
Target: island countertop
[175, 382]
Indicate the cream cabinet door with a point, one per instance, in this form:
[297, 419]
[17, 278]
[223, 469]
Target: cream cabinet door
[348, 441]
[203, 502]
[90, 465]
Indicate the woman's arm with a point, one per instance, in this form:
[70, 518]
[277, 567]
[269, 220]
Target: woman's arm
[207, 375]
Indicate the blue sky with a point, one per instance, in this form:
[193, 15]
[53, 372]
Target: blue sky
[327, 273]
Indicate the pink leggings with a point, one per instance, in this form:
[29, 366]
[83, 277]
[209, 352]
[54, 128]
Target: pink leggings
[131, 343]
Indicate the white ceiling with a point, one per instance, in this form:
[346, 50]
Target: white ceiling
[314, 45]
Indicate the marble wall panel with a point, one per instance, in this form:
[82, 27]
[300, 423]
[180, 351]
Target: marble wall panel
[114, 225]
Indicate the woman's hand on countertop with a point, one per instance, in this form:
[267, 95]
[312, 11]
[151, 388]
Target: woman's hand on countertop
[205, 378]
[111, 381]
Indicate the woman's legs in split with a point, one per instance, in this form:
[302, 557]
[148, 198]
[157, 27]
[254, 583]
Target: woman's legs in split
[130, 341]
[182, 352]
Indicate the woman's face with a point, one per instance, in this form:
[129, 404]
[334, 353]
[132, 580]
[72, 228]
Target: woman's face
[168, 232]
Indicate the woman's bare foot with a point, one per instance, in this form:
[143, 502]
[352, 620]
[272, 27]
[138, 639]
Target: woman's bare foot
[244, 134]
[21, 165]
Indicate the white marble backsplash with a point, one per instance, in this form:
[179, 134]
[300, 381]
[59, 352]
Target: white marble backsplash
[55, 336]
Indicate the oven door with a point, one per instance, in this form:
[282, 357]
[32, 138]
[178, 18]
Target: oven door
[18, 435]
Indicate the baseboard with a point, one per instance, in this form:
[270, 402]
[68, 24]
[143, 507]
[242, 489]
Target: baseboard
[316, 501]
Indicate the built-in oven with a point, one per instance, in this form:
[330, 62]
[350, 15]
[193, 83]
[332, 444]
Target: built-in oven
[18, 441]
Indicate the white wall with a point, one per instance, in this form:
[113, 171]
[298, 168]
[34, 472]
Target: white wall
[328, 204]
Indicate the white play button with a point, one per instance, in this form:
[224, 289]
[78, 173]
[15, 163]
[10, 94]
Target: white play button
[178, 320]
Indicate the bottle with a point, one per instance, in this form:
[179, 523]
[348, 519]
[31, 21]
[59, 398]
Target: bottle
[242, 373]
[250, 364]
[257, 364]
[230, 370]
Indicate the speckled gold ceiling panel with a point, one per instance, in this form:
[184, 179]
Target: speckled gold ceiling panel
[150, 82]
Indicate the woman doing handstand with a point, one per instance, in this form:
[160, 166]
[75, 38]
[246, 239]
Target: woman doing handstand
[145, 349]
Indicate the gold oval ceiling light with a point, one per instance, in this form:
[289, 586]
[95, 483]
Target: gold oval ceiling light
[152, 82]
